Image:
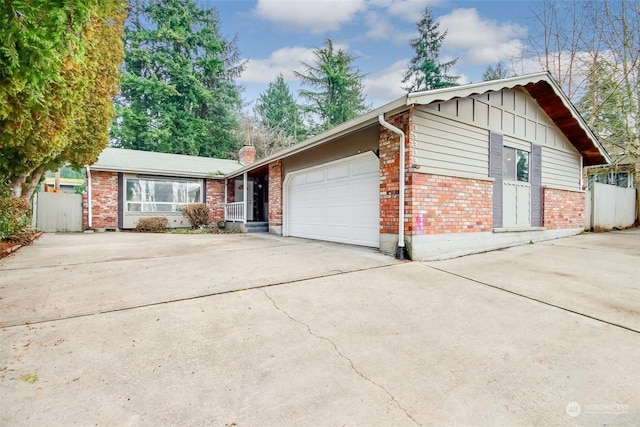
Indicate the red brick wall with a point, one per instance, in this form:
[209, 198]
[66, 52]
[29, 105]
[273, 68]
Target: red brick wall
[389, 170]
[439, 204]
[215, 199]
[104, 200]
[275, 193]
[562, 208]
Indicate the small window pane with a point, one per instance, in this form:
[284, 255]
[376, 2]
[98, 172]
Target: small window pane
[509, 164]
[194, 192]
[522, 168]
[133, 190]
[163, 191]
[134, 207]
[622, 179]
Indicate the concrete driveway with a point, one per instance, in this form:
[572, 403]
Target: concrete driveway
[241, 330]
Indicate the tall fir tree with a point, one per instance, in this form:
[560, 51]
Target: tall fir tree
[338, 82]
[177, 85]
[278, 111]
[425, 71]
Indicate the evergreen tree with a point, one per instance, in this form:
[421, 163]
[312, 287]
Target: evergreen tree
[339, 86]
[495, 73]
[278, 111]
[425, 72]
[177, 86]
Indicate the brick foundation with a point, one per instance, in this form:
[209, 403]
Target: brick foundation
[275, 193]
[562, 208]
[443, 204]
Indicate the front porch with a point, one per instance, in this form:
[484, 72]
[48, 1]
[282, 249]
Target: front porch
[246, 201]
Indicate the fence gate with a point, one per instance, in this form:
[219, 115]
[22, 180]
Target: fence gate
[610, 207]
[58, 212]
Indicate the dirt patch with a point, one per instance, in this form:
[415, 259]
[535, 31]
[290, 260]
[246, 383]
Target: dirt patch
[14, 243]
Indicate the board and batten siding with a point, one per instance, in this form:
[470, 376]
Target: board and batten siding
[451, 138]
[442, 146]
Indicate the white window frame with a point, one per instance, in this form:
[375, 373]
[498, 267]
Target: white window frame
[151, 205]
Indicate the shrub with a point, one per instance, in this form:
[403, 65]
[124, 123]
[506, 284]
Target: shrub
[197, 214]
[153, 224]
[15, 214]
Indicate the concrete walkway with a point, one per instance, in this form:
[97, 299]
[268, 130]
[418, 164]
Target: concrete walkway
[224, 330]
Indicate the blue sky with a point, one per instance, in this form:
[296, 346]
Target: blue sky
[276, 35]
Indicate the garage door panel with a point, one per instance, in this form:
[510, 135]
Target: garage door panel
[338, 172]
[315, 177]
[315, 194]
[364, 188]
[364, 168]
[342, 207]
[298, 180]
[338, 194]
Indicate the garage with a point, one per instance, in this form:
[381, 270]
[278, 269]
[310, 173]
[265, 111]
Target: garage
[336, 201]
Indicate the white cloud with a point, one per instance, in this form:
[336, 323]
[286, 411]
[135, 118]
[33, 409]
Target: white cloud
[381, 28]
[284, 61]
[316, 16]
[386, 85]
[409, 10]
[479, 41]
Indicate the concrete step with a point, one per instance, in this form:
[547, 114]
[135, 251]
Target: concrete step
[257, 227]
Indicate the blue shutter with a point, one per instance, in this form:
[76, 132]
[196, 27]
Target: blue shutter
[495, 172]
[535, 175]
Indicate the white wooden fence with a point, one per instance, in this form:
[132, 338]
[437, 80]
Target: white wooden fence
[58, 212]
[608, 207]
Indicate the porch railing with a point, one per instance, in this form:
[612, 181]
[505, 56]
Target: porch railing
[234, 212]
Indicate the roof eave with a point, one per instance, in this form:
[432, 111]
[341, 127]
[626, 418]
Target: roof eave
[177, 174]
[340, 130]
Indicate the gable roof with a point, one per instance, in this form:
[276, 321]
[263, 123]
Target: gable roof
[148, 162]
[549, 96]
[540, 86]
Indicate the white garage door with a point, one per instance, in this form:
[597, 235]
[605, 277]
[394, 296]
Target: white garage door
[337, 201]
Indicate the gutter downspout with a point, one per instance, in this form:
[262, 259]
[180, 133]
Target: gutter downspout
[89, 202]
[400, 251]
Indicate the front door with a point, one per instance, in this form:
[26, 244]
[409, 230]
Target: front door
[239, 196]
[516, 190]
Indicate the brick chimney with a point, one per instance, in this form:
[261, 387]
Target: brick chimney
[247, 155]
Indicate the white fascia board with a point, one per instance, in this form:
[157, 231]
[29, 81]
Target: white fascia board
[446, 94]
[177, 174]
